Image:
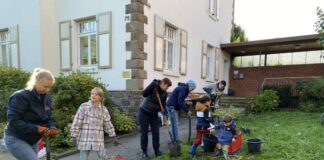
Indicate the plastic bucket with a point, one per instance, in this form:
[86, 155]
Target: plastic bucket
[254, 145]
[209, 141]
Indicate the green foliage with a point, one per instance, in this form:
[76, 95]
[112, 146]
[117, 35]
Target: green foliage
[122, 121]
[238, 34]
[2, 127]
[284, 93]
[11, 80]
[312, 95]
[319, 25]
[266, 101]
[68, 93]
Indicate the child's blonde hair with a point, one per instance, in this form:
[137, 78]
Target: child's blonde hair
[100, 92]
[39, 74]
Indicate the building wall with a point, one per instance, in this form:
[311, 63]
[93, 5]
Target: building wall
[26, 15]
[254, 77]
[192, 16]
[76, 9]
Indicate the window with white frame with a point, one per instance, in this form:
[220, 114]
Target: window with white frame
[9, 55]
[4, 49]
[214, 8]
[169, 48]
[88, 43]
[93, 42]
[210, 63]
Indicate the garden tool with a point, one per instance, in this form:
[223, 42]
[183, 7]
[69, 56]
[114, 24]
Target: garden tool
[48, 150]
[189, 118]
[175, 148]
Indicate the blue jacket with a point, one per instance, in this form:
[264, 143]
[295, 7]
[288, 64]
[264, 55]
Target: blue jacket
[177, 99]
[26, 110]
[226, 133]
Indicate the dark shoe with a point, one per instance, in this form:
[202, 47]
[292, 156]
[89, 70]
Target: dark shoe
[157, 153]
[144, 155]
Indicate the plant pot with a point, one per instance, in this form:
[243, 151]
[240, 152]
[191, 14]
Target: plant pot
[209, 141]
[254, 145]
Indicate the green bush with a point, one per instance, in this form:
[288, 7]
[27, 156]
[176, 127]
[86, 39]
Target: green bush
[266, 101]
[2, 127]
[11, 80]
[284, 93]
[312, 95]
[68, 93]
[122, 121]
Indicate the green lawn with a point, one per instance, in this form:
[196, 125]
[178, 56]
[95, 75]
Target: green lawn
[285, 136]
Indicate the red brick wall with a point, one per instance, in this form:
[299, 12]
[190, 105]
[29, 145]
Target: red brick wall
[253, 77]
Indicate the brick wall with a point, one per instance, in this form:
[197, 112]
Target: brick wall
[253, 77]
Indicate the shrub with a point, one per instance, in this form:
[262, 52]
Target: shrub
[2, 127]
[266, 101]
[312, 95]
[11, 79]
[68, 93]
[122, 121]
[284, 93]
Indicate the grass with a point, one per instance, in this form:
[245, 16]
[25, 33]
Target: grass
[285, 135]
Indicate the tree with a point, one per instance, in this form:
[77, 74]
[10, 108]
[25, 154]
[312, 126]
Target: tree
[238, 34]
[319, 25]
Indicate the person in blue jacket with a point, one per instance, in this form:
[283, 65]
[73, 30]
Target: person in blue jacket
[227, 133]
[29, 116]
[177, 101]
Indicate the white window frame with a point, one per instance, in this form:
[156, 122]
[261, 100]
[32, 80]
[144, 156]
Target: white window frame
[214, 7]
[90, 66]
[170, 36]
[210, 60]
[10, 40]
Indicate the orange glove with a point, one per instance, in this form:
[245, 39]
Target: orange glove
[52, 132]
[47, 132]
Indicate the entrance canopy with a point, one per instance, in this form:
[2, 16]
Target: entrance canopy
[270, 46]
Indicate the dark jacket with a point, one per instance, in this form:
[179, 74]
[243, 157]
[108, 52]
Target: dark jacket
[150, 104]
[26, 110]
[204, 117]
[177, 99]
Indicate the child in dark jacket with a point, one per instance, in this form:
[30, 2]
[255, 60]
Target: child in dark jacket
[203, 121]
[226, 135]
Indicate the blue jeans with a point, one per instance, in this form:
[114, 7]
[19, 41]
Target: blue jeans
[20, 149]
[174, 118]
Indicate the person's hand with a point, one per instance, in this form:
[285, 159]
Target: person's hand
[116, 143]
[73, 141]
[234, 139]
[47, 132]
[189, 114]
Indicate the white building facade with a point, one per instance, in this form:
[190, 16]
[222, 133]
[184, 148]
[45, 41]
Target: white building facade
[127, 43]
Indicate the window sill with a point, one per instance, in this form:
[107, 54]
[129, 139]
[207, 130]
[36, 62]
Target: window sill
[210, 80]
[89, 69]
[213, 17]
[170, 73]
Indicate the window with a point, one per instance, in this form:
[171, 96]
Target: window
[169, 48]
[285, 58]
[299, 58]
[272, 59]
[209, 62]
[93, 42]
[88, 43]
[313, 57]
[9, 55]
[214, 8]
[4, 49]
[170, 54]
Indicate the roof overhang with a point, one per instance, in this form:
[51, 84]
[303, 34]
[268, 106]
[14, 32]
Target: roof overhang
[271, 46]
